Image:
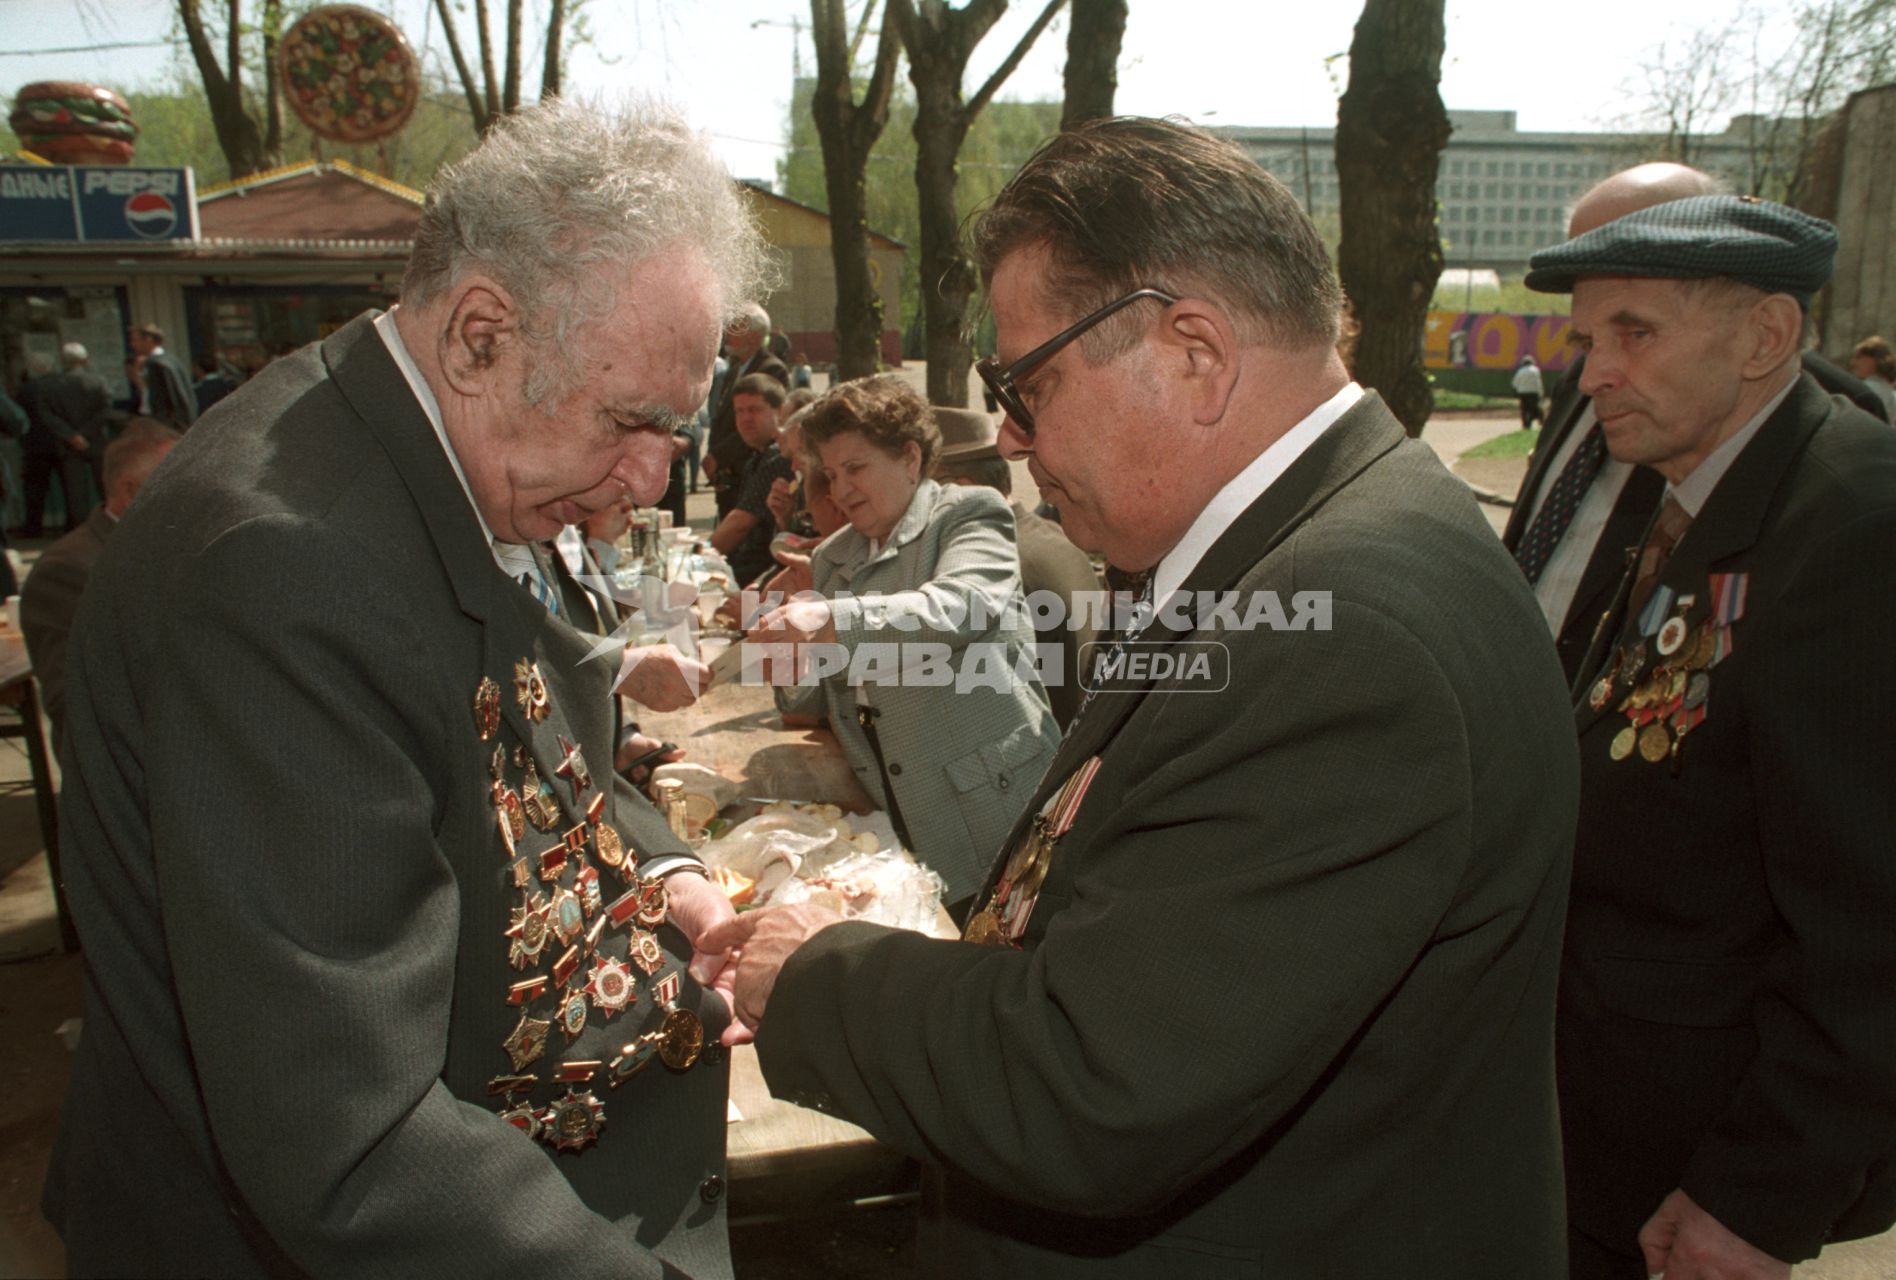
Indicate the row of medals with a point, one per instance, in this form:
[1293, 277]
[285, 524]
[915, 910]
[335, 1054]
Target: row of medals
[1001, 920]
[1669, 702]
[567, 912]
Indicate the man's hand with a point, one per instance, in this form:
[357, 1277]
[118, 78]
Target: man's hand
[635, 745]
[681, 444]
[78, 443]
[763, 941]
[699, 909]
[708, 465]
[1683, 1242]
[782, 501]
[610, 523]
[660, 677]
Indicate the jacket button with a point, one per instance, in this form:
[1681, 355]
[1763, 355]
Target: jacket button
[895, 771]
[1001, 782]
[711, 1190]
[714, 1053]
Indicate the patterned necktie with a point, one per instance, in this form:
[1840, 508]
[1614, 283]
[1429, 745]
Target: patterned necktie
[1556, 513]
[520, 563]
[1667, 529]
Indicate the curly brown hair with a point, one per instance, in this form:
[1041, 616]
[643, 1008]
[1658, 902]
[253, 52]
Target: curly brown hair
[884, 408]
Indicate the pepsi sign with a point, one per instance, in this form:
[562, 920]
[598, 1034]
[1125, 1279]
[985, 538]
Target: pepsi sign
[96, 203]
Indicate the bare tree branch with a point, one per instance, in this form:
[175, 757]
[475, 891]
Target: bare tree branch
[1006, 69]
[476, 103]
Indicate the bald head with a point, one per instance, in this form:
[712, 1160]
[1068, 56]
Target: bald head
[1639, 187]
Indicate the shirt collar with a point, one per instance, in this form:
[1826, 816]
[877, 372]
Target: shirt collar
[392, 339]
[1692, 491]
[1244, 489]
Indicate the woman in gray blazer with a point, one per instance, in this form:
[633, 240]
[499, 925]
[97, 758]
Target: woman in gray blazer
[920, 652]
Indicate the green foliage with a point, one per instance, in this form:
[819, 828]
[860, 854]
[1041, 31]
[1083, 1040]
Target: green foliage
[1515, 444]
[1002, 138]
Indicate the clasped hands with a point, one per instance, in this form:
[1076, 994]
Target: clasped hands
[1683, 1242]
[740, 956]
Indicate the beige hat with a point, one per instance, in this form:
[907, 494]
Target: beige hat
[967, 435]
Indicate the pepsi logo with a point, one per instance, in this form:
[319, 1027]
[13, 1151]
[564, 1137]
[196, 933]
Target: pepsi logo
[151, 215]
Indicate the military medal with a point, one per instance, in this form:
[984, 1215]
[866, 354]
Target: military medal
[572, 1015]
[633, 1057]
[543, 809]
[1623, 743]
[553, 863]
[984, 927]
[653, 902]
[572, 767]
[610, 987]
[569, 918]
[680, 1034]
[530, 691]
[606, 842]
[527, 992]
[574, 1120]
[525, 1117]
[528, 931]
[592, 934]
[586, 885]
[624, 908]
[1672, 636]
[643, 950]
[575, 1071]
[596, 808]
[487, 708]
[1654, 743]
[1003, 918]
[522, 874]
[510, 1085]
[527, 1041]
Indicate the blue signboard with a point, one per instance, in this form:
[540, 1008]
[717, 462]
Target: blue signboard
[96, 202]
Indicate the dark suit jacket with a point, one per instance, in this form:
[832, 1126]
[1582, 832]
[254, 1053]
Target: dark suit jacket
[73, 402]
[283, 859]
[1050, 562]
[47, 604]
[1640, 497]
[1285, 1007]
[725, 444]
[1726, 1021]
[168, 388]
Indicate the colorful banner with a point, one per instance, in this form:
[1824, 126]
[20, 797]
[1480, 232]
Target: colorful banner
[1494, 340]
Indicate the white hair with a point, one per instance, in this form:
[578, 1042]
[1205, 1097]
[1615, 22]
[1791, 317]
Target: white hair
[756, 319]
[74, 353]
[560, 193]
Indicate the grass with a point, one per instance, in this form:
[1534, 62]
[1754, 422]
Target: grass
[1469, 400]
[1515, 444]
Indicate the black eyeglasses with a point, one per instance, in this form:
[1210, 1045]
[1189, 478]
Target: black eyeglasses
[1002, 382]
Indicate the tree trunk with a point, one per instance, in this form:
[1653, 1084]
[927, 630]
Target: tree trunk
[555, 47]
[490, 83]
[510, 90]
[1098, 27]
[272, 91]
[476, 100]
[237, 134]
[1391, 128]
[939, 40]
[847, 131]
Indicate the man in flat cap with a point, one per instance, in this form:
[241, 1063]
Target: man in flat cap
[1725, 1030]
[1580, 510]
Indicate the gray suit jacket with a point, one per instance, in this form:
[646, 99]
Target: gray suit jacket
[961, 755]
[48, 601]
[1050, 562]
[77, 402]
[282, 854]
[169, 390]
[1285, 1005]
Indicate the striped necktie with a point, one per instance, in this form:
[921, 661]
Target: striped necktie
[519, 562]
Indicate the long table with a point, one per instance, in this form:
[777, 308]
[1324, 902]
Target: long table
[781, 1158]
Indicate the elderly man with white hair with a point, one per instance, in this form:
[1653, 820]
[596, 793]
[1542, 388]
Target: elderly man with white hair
[385, 968]
[725, 450]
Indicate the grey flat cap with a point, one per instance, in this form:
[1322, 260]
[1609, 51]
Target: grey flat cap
[1769, 246]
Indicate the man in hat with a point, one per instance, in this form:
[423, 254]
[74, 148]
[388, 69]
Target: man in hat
[1724, 1037]
[1049, 562]
[1579, 510]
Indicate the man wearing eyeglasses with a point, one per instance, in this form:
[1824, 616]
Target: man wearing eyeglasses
[1268, 982]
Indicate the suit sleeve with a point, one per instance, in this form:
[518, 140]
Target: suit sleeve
[1810, 1124]
[47, 604]
[975, 581]
[300, 741]
[1261, 885]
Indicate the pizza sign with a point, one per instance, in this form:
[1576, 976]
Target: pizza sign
[349, 74]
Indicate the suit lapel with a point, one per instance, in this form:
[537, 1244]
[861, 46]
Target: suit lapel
[1568, 404]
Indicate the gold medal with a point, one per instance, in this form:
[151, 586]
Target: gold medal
[653, 903]
[525, 1117]
[487, 708]
[1601, 694]
[1654, 743]
[681, 1039]
[530, 691]
[586, 885]
[1623, 743]
[529, 931]
[527, 1041]
[606, 841]
[983, 928]
[574, 1121]
[569, 917]
[543, 810]
[644, 951]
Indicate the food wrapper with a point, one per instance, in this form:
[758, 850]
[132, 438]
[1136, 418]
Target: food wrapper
[813, 853]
